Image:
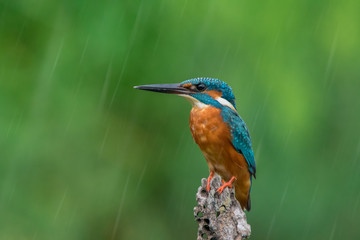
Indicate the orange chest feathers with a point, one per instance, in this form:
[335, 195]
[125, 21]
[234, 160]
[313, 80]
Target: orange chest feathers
[212, 135]
[207, 127]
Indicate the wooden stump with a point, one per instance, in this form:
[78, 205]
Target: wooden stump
[220, 216]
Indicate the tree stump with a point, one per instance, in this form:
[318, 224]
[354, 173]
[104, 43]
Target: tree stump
[220, 216]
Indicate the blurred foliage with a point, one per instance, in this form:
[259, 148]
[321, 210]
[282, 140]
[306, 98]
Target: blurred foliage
[85, 156]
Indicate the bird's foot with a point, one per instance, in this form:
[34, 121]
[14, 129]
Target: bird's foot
[226, 184]
[208, 181]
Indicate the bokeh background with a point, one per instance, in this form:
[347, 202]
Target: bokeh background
[85, 156]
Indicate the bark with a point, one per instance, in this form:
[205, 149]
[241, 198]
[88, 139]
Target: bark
[219, 216]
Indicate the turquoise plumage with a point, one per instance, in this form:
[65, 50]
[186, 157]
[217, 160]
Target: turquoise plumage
[240, 136]
[219, 131]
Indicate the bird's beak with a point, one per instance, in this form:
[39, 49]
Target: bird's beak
[173, 88]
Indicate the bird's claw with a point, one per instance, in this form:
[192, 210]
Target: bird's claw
[220, 189]
[226, 184]
[208, 181]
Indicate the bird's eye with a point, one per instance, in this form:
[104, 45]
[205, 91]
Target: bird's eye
[201, 87]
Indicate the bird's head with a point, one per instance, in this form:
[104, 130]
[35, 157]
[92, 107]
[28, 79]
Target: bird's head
[199, 91]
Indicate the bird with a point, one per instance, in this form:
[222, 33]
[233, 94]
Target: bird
[219, 131]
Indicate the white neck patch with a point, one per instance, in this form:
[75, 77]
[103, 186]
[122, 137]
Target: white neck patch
[194, 101]
[225, 102]
[197, 103]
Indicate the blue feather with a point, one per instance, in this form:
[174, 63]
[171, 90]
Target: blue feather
[215, 84]
[240, 136]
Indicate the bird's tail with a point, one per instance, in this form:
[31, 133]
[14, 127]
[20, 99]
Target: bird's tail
[242, 196]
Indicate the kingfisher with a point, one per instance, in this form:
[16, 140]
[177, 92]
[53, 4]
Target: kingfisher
[219, 131]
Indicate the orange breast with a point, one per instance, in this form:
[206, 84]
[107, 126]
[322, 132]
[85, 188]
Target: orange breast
[214, 139]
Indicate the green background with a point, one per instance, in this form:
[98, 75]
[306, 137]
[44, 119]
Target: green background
[83, 155]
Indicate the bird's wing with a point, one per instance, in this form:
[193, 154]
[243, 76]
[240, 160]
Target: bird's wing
[240, 137]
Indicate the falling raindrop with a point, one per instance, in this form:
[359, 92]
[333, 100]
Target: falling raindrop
[117, 221]
[333, 230]
[84, 50]
[271, 226]
[105, 88]
[125, 62]
[284, 194]
[331, 57]
[60, 205]
[140, 178]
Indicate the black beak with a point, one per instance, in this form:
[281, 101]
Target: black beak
[173, 88]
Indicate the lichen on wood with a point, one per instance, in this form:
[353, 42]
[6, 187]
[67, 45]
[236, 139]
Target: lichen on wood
[219, 216]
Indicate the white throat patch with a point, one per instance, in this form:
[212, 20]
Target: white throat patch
[194, 101]
[197, 103]
[225, 102]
